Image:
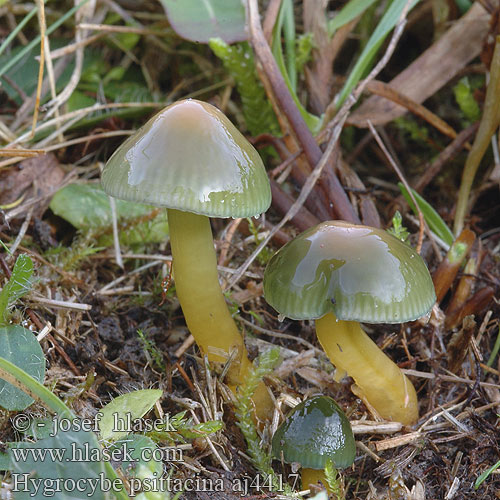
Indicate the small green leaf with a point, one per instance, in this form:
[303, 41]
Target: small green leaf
[436, 223]
[18, 285]
[303, 48]
[202, 429]
[119, 416]
[465, 99]
[19, 346]
[397, 229]
[199, 21]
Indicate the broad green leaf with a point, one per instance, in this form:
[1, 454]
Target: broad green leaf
[18, 285]
[435, 222]
[200, 20]
[19, 346]
[29, 384]
[5, 463]
[86, 206]
[56, 465]
[120, 415]
[349, 11]
[384, 27]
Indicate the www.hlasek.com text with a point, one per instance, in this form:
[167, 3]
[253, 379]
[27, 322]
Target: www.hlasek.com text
[87, 453]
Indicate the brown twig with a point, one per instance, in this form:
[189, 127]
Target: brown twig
[383, 89]
[305, 139]
[432, 169]
[41, 20]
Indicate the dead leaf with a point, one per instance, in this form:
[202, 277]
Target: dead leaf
[459, 344]
[432, 70]
[43, 172]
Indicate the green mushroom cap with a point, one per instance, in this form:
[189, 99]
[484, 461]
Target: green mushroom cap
[190, 157]
[316, 430]
[359, 273]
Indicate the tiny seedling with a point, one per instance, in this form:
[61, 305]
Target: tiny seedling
[152, 352]
[480, 480]
[397, 229]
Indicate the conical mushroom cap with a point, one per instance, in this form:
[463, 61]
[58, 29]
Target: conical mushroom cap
[357, 272]
[316, 430]
[192, 158]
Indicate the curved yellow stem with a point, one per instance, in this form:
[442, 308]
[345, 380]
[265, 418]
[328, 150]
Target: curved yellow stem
[202, 301]
[379, 381]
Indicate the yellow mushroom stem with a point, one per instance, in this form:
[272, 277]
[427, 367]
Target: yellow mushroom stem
[203, 304]
[379, 381]
[313, 476]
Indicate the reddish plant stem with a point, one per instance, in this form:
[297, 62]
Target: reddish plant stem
[447, 270]
[282, 202]
[474, 305]
[316, 204]
[464, 288]
[338, 198]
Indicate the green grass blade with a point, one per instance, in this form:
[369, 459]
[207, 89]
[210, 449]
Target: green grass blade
[485, 475]
[17, 29]
[289, 39]
[494, 351]
[36, 40]
[435, 222]
[348, 12]
[385, 26]
[312, 121]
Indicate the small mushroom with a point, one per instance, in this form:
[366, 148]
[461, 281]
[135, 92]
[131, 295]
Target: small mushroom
[314, 432]
[192, 160]
[340, 274]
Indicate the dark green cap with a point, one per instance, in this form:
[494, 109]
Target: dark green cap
[316, 430]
